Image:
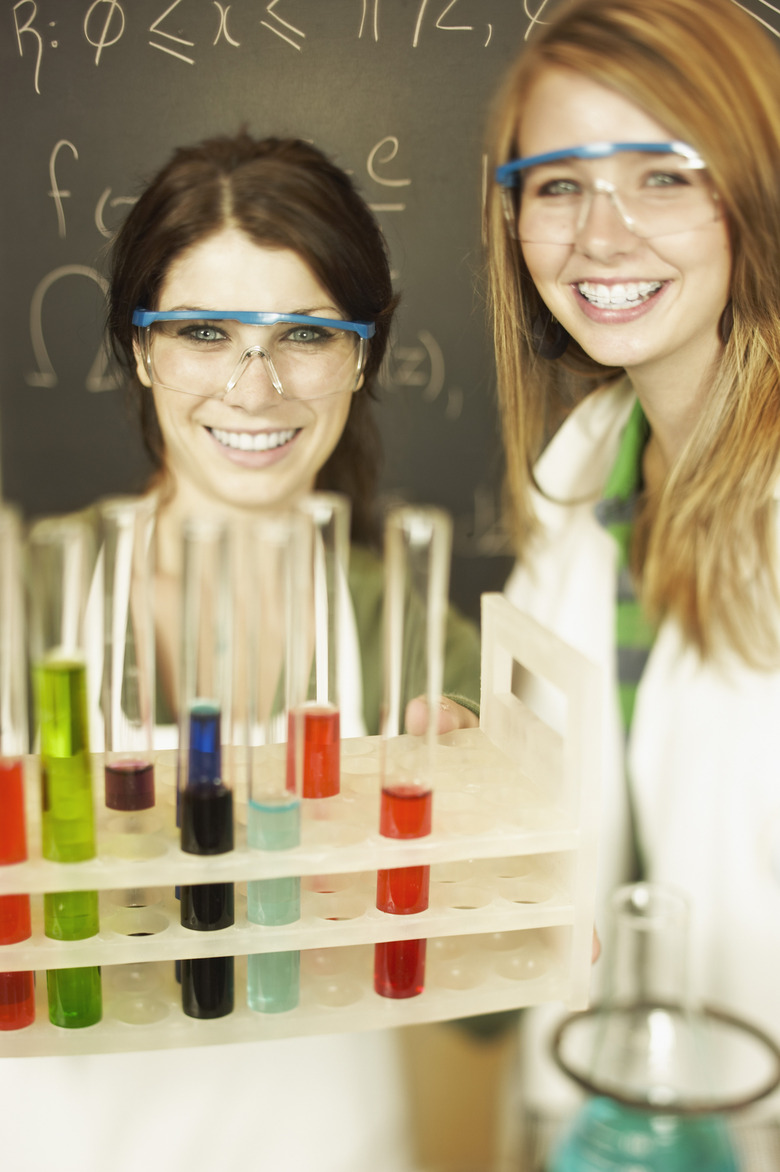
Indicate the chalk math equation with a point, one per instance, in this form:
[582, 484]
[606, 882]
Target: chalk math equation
[186, 31]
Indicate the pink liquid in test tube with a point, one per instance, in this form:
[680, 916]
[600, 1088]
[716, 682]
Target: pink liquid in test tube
[129, 785]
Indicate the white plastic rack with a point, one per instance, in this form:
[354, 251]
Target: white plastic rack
[512, 858]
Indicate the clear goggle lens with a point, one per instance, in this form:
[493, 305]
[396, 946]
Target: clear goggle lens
[210, 358]
[653, 193]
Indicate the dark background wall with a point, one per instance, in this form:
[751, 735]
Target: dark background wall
[96, 94]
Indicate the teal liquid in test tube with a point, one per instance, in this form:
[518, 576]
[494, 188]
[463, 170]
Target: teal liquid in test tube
[273, 978]
[58, 574]
[278, 563]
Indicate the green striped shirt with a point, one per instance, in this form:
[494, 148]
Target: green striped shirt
[615, 511]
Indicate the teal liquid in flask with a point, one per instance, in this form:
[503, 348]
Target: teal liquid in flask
[607, 1136]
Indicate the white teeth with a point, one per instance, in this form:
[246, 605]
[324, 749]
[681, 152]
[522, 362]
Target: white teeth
[248, 441]
[618, 296]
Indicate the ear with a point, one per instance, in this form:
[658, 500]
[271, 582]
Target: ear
[141, 369]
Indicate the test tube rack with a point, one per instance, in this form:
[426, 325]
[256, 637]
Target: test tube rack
[512, 858]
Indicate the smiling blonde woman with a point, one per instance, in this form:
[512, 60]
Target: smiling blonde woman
[634, 257]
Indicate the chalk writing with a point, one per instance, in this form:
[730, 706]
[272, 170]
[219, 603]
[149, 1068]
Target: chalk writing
[419, 366]
[30, 9]
[375, 21]
[422, 367]
[534, 18]
[100, 208]
[99, 377]
[439, 22]
[112, 28]
[765, 23]
[285, 24]
[56, 192]
[382, 153]
[105, 23]
[167, 48]
[222, 31]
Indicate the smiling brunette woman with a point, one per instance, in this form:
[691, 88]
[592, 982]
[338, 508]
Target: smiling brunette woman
[633, 231]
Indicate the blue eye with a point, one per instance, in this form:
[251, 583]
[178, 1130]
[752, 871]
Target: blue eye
[554, 189]
[308, 334]
[201, 332]
[663, 179]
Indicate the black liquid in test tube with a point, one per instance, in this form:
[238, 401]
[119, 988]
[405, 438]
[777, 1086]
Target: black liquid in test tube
[206, 829]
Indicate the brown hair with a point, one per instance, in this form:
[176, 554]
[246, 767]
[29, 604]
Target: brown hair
[283, 193]
[706, 71]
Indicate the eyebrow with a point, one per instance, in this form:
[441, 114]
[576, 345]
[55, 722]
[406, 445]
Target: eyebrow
[314, 311]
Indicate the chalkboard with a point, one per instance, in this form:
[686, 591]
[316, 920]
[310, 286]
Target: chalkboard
[97, 93]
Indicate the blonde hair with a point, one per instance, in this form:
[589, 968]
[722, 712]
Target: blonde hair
[704, 549]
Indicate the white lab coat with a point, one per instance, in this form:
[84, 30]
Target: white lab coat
[703, 755]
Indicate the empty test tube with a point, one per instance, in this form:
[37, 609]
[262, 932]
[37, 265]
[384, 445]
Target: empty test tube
[128, 657]
[205, 791]
[17, 989]
[321, 715]
[278, 570]
[417, 558]
[58, 575]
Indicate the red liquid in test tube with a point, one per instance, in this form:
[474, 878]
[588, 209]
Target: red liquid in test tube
[399, 965]
[321, 751]
[13, 841]
[417, 553]
[17, 991]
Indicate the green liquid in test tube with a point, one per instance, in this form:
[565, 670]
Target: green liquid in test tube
[68, 818]
[68, 825]
[58, 576]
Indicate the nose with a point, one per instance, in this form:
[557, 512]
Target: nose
[254, 383]
[603, 230]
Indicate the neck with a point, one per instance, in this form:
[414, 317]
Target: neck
[179, 500]
[673, 396]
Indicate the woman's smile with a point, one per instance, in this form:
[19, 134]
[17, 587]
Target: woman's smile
[617, 300]
[617, 294]
[254, 449]
[253, 441]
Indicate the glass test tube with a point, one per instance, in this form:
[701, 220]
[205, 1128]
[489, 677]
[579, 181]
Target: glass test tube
[17, 990]
[128, 659]
[417, 558]
[279, 573]
[58, 569]
[205, 793]
[329, 513]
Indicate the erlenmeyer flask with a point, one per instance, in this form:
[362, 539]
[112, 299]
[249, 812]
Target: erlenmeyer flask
[661, 1069]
